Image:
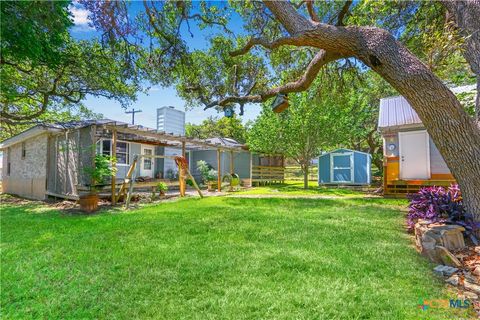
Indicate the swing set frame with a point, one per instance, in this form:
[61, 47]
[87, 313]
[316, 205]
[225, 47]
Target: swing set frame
[133, 171]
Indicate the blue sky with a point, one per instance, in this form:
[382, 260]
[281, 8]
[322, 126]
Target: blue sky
[157, 96]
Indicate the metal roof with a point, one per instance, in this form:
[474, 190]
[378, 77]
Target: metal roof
[156, 135]
[227, 142]
[396, 112]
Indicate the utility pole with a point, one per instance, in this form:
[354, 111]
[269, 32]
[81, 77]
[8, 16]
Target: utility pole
[133, 111]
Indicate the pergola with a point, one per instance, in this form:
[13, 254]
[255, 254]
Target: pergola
[135, 133]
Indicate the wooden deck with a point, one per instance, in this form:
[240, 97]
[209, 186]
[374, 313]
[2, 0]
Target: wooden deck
[393, 186]
[400, 188]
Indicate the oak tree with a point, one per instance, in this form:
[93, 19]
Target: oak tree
[279, 36]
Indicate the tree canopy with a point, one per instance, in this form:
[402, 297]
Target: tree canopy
[46, 73]
[218, 127]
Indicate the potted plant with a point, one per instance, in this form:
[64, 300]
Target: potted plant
[209, 175]
[211, 178]
[162, 188]
[102, 169]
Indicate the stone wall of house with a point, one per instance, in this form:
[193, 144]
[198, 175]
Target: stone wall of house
[28, 174]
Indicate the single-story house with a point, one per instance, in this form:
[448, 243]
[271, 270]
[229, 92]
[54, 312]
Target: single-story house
[344, 167]
[50, 159]
[411, 159]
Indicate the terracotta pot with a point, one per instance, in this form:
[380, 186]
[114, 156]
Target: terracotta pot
[212, 186]
[89, 202]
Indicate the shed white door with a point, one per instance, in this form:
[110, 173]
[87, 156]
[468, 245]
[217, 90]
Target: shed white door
[341, 169]
[146, 167]
[414, 155]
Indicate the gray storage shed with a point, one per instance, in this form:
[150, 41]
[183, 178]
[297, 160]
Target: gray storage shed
[344, 166]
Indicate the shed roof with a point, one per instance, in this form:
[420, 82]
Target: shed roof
[343, 150]
[396, 112]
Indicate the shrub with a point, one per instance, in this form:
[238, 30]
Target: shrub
[439, 204]
[102, 169]
[162, 187]
[206, 171]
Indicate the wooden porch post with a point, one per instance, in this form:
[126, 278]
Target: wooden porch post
[114, 155]
[219, 170]
[232, 171]
[251, 169]
[183, 149]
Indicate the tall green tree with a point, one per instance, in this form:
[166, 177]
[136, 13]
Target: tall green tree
[352, 107]
[299, 133]
[218, 127]
[46, 73]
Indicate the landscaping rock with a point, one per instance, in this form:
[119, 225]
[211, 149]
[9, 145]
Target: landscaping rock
[449, 271]
[442, 270]
[469, 277]
[447, 257]
[453, 280]
[470, 295]
[476, 271]
[472, 287]
[438, 270]
[429, 235]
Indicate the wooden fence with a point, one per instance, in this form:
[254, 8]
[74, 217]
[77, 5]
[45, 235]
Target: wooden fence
[295, 173]
[267, 174]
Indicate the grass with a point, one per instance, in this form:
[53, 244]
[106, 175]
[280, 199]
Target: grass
[295, 188]
[216, 258]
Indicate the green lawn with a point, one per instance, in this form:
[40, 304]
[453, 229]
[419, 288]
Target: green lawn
[216, 258]
[295, 188]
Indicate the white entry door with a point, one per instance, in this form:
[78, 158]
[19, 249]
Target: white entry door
[414, 155]
[147, 165]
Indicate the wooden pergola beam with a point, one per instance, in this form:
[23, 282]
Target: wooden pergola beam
[219, 170]
[166, 137]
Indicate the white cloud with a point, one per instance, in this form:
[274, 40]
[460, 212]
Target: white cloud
[80, 18]
[154, 88]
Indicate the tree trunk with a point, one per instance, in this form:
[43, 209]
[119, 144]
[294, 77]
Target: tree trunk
[305, 176]
[455, 134]
[467, 18]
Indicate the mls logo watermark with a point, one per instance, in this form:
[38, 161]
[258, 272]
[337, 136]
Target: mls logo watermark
[425, 304]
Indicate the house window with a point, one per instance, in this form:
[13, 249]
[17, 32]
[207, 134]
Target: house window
[122, 150]
[24, 150]
[147, 162]
[8, 161]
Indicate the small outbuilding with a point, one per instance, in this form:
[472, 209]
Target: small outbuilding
[344, 166]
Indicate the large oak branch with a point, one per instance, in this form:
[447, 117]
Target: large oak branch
[301, 84]
[266, 44]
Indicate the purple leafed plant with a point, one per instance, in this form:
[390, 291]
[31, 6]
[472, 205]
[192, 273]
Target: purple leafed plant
[439, 204]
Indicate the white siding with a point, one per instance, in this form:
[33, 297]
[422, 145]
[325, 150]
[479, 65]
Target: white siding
[437, 164]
